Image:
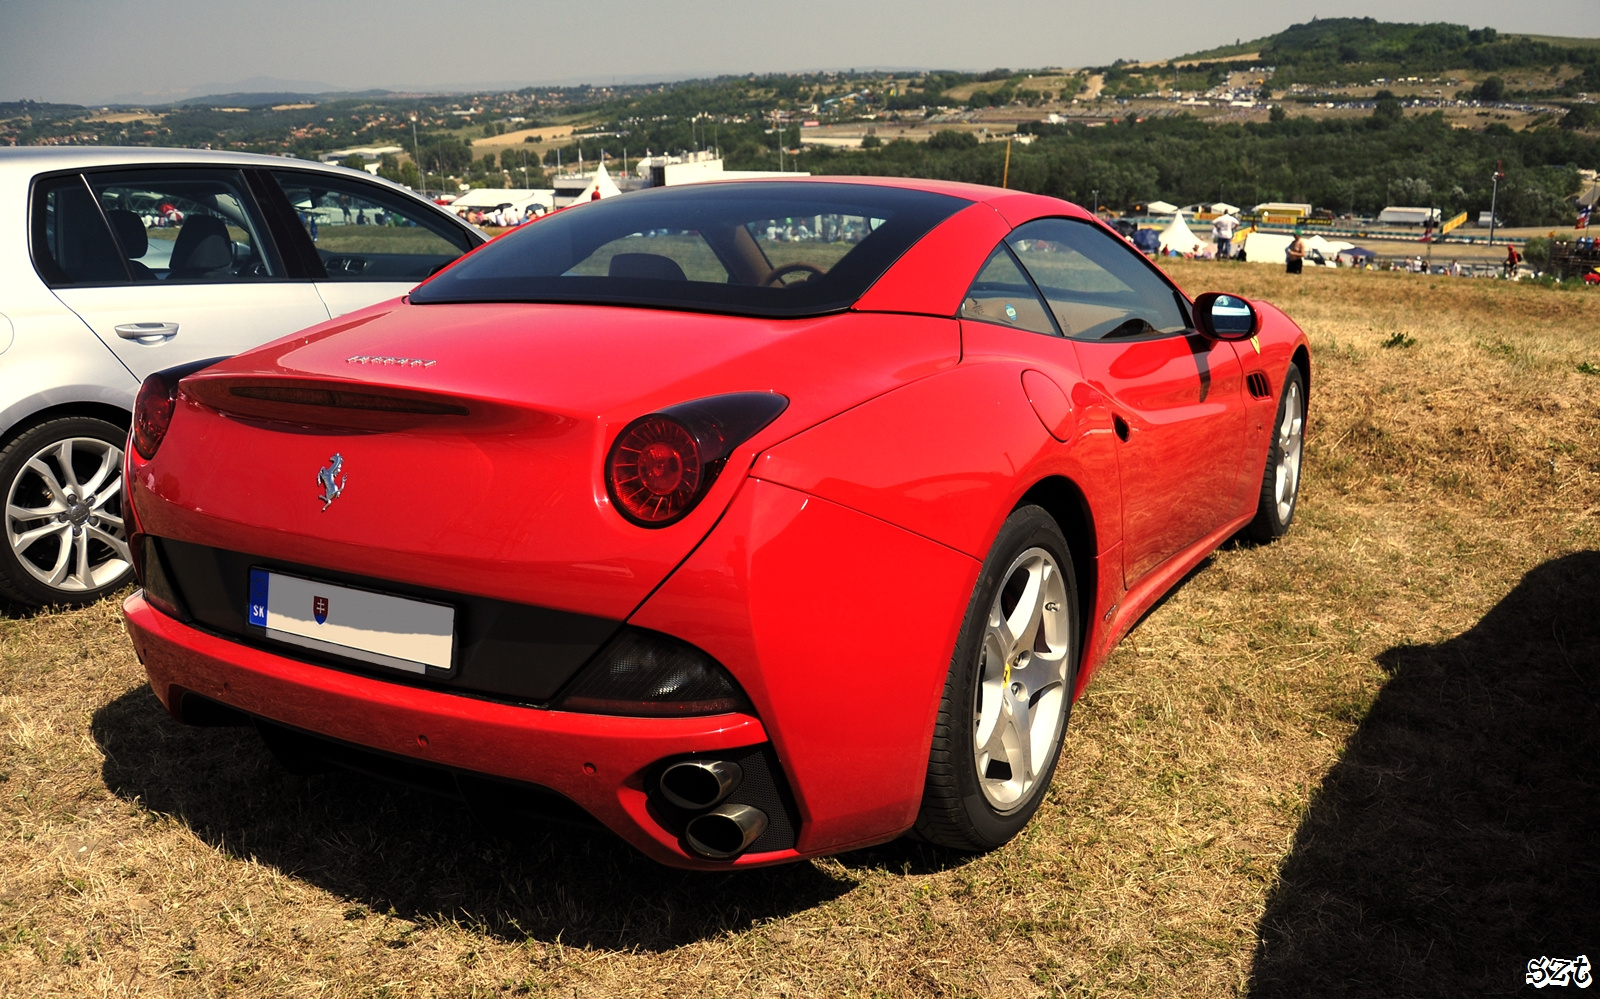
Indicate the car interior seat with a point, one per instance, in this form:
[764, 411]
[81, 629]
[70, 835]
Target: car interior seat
[81, 252]
[202, 250]
[648, 266]
[133, 239]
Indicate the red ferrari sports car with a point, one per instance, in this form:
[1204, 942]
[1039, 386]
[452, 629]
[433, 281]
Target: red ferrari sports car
[755, 520]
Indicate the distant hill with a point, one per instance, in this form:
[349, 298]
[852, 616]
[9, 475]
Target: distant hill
[256, 100]
[38, 109]
[1358, 49]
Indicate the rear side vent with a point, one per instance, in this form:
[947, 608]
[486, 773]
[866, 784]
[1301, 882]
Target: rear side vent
[1259, 386]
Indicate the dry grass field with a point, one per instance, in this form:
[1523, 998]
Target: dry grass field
[1359, 762]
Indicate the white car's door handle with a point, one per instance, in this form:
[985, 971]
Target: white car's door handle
[148, 332]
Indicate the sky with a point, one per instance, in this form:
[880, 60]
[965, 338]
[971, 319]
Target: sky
[100, 51]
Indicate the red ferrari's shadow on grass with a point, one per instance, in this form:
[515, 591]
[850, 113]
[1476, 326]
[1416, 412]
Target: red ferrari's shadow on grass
[424, 857]
[1459, 835]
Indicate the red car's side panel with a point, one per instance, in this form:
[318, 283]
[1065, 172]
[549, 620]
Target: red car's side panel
[946, 457]
[1018, 207]
[934, 274]
[1182, 401]
[840, 628]
[550, 748]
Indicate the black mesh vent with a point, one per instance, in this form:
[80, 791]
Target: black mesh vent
[1259, 386]
[763, 787]
[643, 672]
[505, 651]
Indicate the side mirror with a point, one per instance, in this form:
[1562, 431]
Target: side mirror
[1226, 317]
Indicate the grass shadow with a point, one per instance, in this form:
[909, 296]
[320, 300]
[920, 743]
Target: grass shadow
[1458, 836]
[907, 857]
[391, 849]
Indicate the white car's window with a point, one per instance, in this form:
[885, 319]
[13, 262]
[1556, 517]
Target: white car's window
[1003, 295]
[1097, 286]
[71, 244]
[182, 225]
[363, 232]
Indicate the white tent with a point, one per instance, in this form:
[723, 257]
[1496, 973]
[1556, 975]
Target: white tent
[1223, 208]
[1160, 208]
[600, 186]
[1177, 237]
[488, 198]
[1270, 247]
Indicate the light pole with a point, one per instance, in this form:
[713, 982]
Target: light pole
[416, 156]
[1096, 206]
[1494, 198]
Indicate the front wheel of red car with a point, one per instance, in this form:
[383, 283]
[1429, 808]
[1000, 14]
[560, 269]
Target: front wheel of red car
[1280, 482]
[1009, 693]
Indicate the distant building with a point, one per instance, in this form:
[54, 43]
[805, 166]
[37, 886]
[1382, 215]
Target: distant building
[1408, 216]
[692, 168]
[1296, 209]
[370, 155]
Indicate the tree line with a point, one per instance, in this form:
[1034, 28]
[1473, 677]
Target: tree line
[1356, 166]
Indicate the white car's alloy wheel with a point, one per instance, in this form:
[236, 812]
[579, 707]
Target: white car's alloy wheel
[64, 516]
[1017, 714]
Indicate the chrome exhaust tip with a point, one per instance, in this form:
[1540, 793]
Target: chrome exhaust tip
[700, 784]
[726, 832]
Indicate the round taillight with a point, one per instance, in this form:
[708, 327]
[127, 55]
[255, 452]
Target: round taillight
[654, 471]
[152, 413]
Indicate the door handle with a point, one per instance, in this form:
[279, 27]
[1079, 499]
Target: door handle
[148, 333]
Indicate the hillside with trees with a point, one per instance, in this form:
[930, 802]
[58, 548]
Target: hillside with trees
[1358, 49]
[1348, 166]
[1128, 142]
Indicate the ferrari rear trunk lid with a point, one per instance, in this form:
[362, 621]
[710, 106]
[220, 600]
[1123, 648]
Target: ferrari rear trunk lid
[462, 447]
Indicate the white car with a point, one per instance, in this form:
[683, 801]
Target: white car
[121, 262]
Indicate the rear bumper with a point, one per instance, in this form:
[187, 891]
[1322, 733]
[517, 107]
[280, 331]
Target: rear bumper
[597, 761]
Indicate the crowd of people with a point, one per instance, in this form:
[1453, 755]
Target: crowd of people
[503, 217]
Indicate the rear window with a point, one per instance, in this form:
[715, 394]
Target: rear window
[770, 248]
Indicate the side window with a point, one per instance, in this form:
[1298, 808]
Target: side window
[363, 232]
[1097, 286]
[660, 254]
[1003, 294]
[185, 225]
[71, 244]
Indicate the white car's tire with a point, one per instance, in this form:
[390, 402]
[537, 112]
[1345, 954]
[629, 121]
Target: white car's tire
[66, 542]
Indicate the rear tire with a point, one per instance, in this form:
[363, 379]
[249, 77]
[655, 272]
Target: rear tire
[65, 538]
[1009, 692]
[1280, 482]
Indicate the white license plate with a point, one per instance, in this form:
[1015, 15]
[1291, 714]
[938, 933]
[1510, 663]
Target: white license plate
[359, 624]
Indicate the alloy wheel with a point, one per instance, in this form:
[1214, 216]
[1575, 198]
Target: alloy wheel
[1019, 706]
[64, 515]
[1291, 434]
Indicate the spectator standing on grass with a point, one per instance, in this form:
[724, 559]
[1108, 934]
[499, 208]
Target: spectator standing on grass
[1455, 268]
[1222, 230]
[1295, 255]
[1513, 258]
